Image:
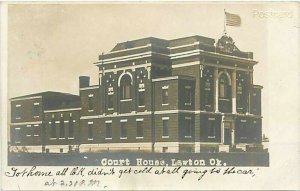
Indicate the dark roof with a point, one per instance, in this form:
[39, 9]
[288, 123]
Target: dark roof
[140, 42]
[46, 94]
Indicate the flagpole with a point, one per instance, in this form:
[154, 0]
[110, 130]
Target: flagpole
[224, 22]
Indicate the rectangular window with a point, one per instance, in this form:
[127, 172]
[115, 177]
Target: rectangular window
[139, 129]
[243, 129]
[188, 95]
[35, 111]
[71, 127]
[53, 128]
[165, 132]
[141, 98]
[62, 128]
[36, 130]
[90, 102]
[17, 112]
[123, 130]
[211, 128]
[188, 127]
[90, 131]
[29, 131]
[165, 96]
[110, 101]
[108, 131]
[17, 135]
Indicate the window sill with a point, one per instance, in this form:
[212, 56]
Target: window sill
[123, 137]
[189, 104]
[35, 135]
[125, 100]
[165, 137]
[28, 135]
[164, 104]
[108, 138]
[18, 117]
[224, 99]
[17, 142]
[110, 109]
[187, 136]
[70, 137]
[52, 138]
[90, 139]
[211, 137]
[36, 116]
[141, 106]
[61, 138]
[139, 137]
[90, 110]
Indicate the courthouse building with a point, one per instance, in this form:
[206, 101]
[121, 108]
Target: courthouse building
[191, 94]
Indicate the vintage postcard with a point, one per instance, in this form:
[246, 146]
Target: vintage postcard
[150, 96]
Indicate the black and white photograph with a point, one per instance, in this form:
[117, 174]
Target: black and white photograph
[149, 95]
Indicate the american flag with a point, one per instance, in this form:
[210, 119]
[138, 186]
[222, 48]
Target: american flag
[233, 20]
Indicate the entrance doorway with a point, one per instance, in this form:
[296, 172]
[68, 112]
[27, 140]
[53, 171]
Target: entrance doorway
[227, 133]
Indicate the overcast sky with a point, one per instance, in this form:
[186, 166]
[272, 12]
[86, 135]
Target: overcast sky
[49, 46]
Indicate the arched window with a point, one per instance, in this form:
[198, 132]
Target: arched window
[125, 87]
[224, 87]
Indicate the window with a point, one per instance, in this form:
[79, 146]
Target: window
[90, 131]
[71, 127]
[141, 97]
[90, 102]
[139, 128]
[17, 135]
[62, 128]
[110, 101]
[36, 130]
[188, 95]
[53, 128]
[165, 95]
[224, 87]
[108, 131]
[188, 127]
[243, 129]
[125, 87]
[17, 112]
[123, 130]
[165, 132]
[208, 93]
[211, 128]
[35, 110]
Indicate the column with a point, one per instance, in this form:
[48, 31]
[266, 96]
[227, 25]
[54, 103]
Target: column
[149, 72]
[222, 130]
[232, 133]
[216, 95]
[250, 92]
[233, 90]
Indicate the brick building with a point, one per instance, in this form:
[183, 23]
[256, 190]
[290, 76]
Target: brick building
[185, 95]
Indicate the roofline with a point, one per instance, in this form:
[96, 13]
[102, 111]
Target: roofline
[25, 98]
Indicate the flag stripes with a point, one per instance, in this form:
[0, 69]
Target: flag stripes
[233, 19]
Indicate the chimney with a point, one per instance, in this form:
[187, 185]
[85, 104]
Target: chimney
[84, 81]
